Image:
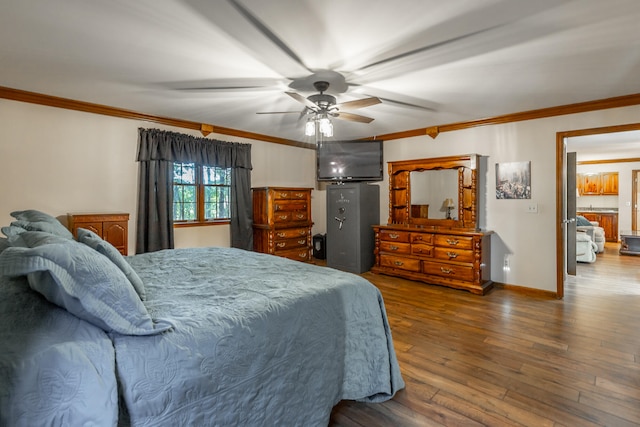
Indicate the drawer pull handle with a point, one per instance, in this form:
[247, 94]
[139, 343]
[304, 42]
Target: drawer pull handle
[280, 234]
[282, 217]
[393, 248]
[393, 236]
[399, 263]
[446, 270]
[452, 254]
[302, 242]
[299, 195]
[302, 254]
[283, 195]
[453, 241]
[302, 232]
[281, 244]
[300, 216]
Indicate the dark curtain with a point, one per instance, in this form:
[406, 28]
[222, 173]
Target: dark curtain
[157, 150]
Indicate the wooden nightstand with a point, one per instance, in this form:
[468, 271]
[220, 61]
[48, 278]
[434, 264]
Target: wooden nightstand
[112, 227]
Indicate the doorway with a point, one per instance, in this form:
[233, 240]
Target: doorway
[562, 190]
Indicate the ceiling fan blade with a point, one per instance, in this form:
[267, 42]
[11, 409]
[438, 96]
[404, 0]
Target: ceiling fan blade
[397, 99]
[278, 112]
[303, 100]
[352, 117]
[359, 103]
[262, 28]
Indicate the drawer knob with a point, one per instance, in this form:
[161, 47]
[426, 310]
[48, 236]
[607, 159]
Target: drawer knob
[446, 270]
[393, 236]
[452, 254]
[453, 241]
[399, 263]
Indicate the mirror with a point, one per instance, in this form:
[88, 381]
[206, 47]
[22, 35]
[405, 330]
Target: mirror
[438, 192]
[434, 194]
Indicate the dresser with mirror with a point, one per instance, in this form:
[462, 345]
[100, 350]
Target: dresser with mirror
[433, 234]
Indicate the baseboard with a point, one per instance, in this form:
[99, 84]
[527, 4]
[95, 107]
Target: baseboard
[526, 291]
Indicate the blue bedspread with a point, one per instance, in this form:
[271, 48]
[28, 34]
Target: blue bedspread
[259, 340]
[55, 369]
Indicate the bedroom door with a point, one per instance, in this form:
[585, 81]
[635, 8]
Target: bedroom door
[570, 216]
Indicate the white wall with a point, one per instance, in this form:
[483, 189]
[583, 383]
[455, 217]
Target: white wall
[60, 161]
[527, 240]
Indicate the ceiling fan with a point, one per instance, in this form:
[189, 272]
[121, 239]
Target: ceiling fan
[325, 105]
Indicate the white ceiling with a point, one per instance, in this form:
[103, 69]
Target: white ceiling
[457, 60]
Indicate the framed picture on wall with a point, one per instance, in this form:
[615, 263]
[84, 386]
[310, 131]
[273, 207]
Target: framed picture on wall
[513, 180]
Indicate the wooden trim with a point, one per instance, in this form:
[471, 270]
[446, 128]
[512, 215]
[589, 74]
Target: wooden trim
[206, 129]
[525, 290]
[560, 250]
[582, 107]
[560, 168]
[88, 107]
[597, 162]
[200, 224]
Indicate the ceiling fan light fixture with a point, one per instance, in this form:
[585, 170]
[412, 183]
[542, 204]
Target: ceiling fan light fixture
[326, 127]
[310, 127]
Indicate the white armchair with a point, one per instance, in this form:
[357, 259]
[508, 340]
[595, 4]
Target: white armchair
[585, 247]
[595, 232]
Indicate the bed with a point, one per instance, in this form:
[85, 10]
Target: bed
[201, 336]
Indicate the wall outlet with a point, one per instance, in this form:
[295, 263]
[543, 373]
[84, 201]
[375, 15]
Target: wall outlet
[532, 208]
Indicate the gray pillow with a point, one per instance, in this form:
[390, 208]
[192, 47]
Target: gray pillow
[12, 230]
[582, 221]
[33, 215]
[85, 283]
[4, 244]
[94, 241]
[50, 227]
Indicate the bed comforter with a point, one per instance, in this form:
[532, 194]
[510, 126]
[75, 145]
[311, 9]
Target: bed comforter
[258, 340]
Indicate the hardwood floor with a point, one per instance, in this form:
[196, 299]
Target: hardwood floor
[509, 359]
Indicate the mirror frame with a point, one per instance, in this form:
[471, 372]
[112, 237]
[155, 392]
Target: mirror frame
[467, 203]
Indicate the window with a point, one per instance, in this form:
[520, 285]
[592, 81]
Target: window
[201, 194]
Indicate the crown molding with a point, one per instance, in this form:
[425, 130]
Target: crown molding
[88, 107]
[582, 107]
[206, 129]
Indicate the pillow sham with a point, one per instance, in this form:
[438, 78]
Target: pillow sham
[4, 244]
[54, 228]
[94, 241]
[85, 283]
[33, 215]
[582, 221]
[12, 230]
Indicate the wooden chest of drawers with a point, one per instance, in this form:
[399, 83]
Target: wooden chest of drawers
[112, 227]
[282, 222]
[450, 257]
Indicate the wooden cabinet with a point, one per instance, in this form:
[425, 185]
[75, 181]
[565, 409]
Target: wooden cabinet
[606, 220]
[609, 183]
[597, 184]
[447, 257]
[282, 222]
[112, 227]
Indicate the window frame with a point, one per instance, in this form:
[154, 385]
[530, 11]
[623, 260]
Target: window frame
[200, 199]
